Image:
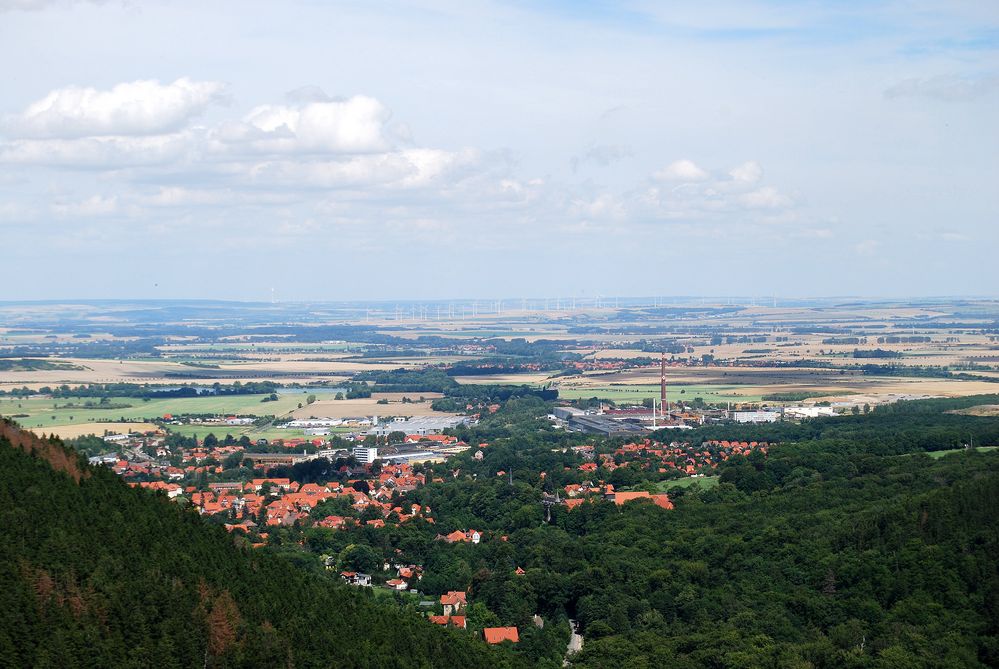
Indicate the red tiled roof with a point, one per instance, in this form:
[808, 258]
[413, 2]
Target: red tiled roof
[501, 634]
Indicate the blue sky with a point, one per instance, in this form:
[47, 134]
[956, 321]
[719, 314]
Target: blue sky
[498, 149]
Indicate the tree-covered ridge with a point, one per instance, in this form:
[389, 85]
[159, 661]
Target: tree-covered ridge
[851, 561]
[94, 573]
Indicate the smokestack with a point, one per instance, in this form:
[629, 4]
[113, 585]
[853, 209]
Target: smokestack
[662, 383]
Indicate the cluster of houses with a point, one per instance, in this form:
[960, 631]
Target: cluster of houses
[682, 457]
[280, 502]
[576, 494]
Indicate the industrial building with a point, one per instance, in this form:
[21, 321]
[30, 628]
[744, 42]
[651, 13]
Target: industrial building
[605, 426]
[755, 416]
[421, 425]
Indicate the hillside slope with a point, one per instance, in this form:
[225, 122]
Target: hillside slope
[94, 573]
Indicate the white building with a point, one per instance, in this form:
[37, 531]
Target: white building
[809, 412]
[365, 455]
[313, 422]
[755, 416]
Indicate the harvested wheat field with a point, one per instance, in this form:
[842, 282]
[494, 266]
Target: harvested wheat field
[98, 429]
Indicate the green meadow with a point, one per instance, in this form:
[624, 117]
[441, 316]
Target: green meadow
[33, 413]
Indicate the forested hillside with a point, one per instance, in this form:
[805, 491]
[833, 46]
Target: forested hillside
[849, 561]
[94, 573]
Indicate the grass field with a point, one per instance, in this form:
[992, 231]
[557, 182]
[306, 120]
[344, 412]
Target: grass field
[44, 414]
[936, 455]
[704, 482]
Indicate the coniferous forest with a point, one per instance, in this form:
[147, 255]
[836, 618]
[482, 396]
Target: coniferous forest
[96, 574]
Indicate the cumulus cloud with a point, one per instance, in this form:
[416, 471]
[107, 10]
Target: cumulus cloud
[947, 88]
[356, 125]
[99, 152]
[409, 168]
[95, 205]
[313, 141]
[748, 172]
[349, 155]
[133, 108]
[767, 197]
[685, 192]
[685, 171]
[604, 206]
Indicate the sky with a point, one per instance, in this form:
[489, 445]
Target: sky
[430, 150]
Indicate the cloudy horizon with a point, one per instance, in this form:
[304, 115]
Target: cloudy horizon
[435, 150]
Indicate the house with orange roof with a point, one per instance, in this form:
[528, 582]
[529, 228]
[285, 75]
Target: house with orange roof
[494, 635]
[459, 536]
[453, 601]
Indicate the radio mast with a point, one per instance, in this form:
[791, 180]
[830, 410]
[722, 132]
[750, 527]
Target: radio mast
[663, 406]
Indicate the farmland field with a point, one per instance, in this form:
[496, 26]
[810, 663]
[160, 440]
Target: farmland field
[42, 413]
[98, 429]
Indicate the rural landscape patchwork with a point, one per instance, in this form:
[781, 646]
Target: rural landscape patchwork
[460, 334]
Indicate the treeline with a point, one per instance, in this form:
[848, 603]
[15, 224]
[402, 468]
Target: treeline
[430, 380]
[437, 380]
[94, 573]
[147, 391]
[890, 429]
[876, 353]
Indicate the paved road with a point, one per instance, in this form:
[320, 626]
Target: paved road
[575, 642]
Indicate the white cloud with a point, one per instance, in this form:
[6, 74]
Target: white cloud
[748, 172]
[947, 88]
[356, 125]
[767, 197]
[725, 199]
[178, 196]
[133, 108]
[95, 205]
[99, 152]
[410, 168]
[37, 5]
[604, 206]
[681, 170]
[868, 247]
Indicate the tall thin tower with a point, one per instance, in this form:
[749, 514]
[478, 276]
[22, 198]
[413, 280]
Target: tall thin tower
[662, 385]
